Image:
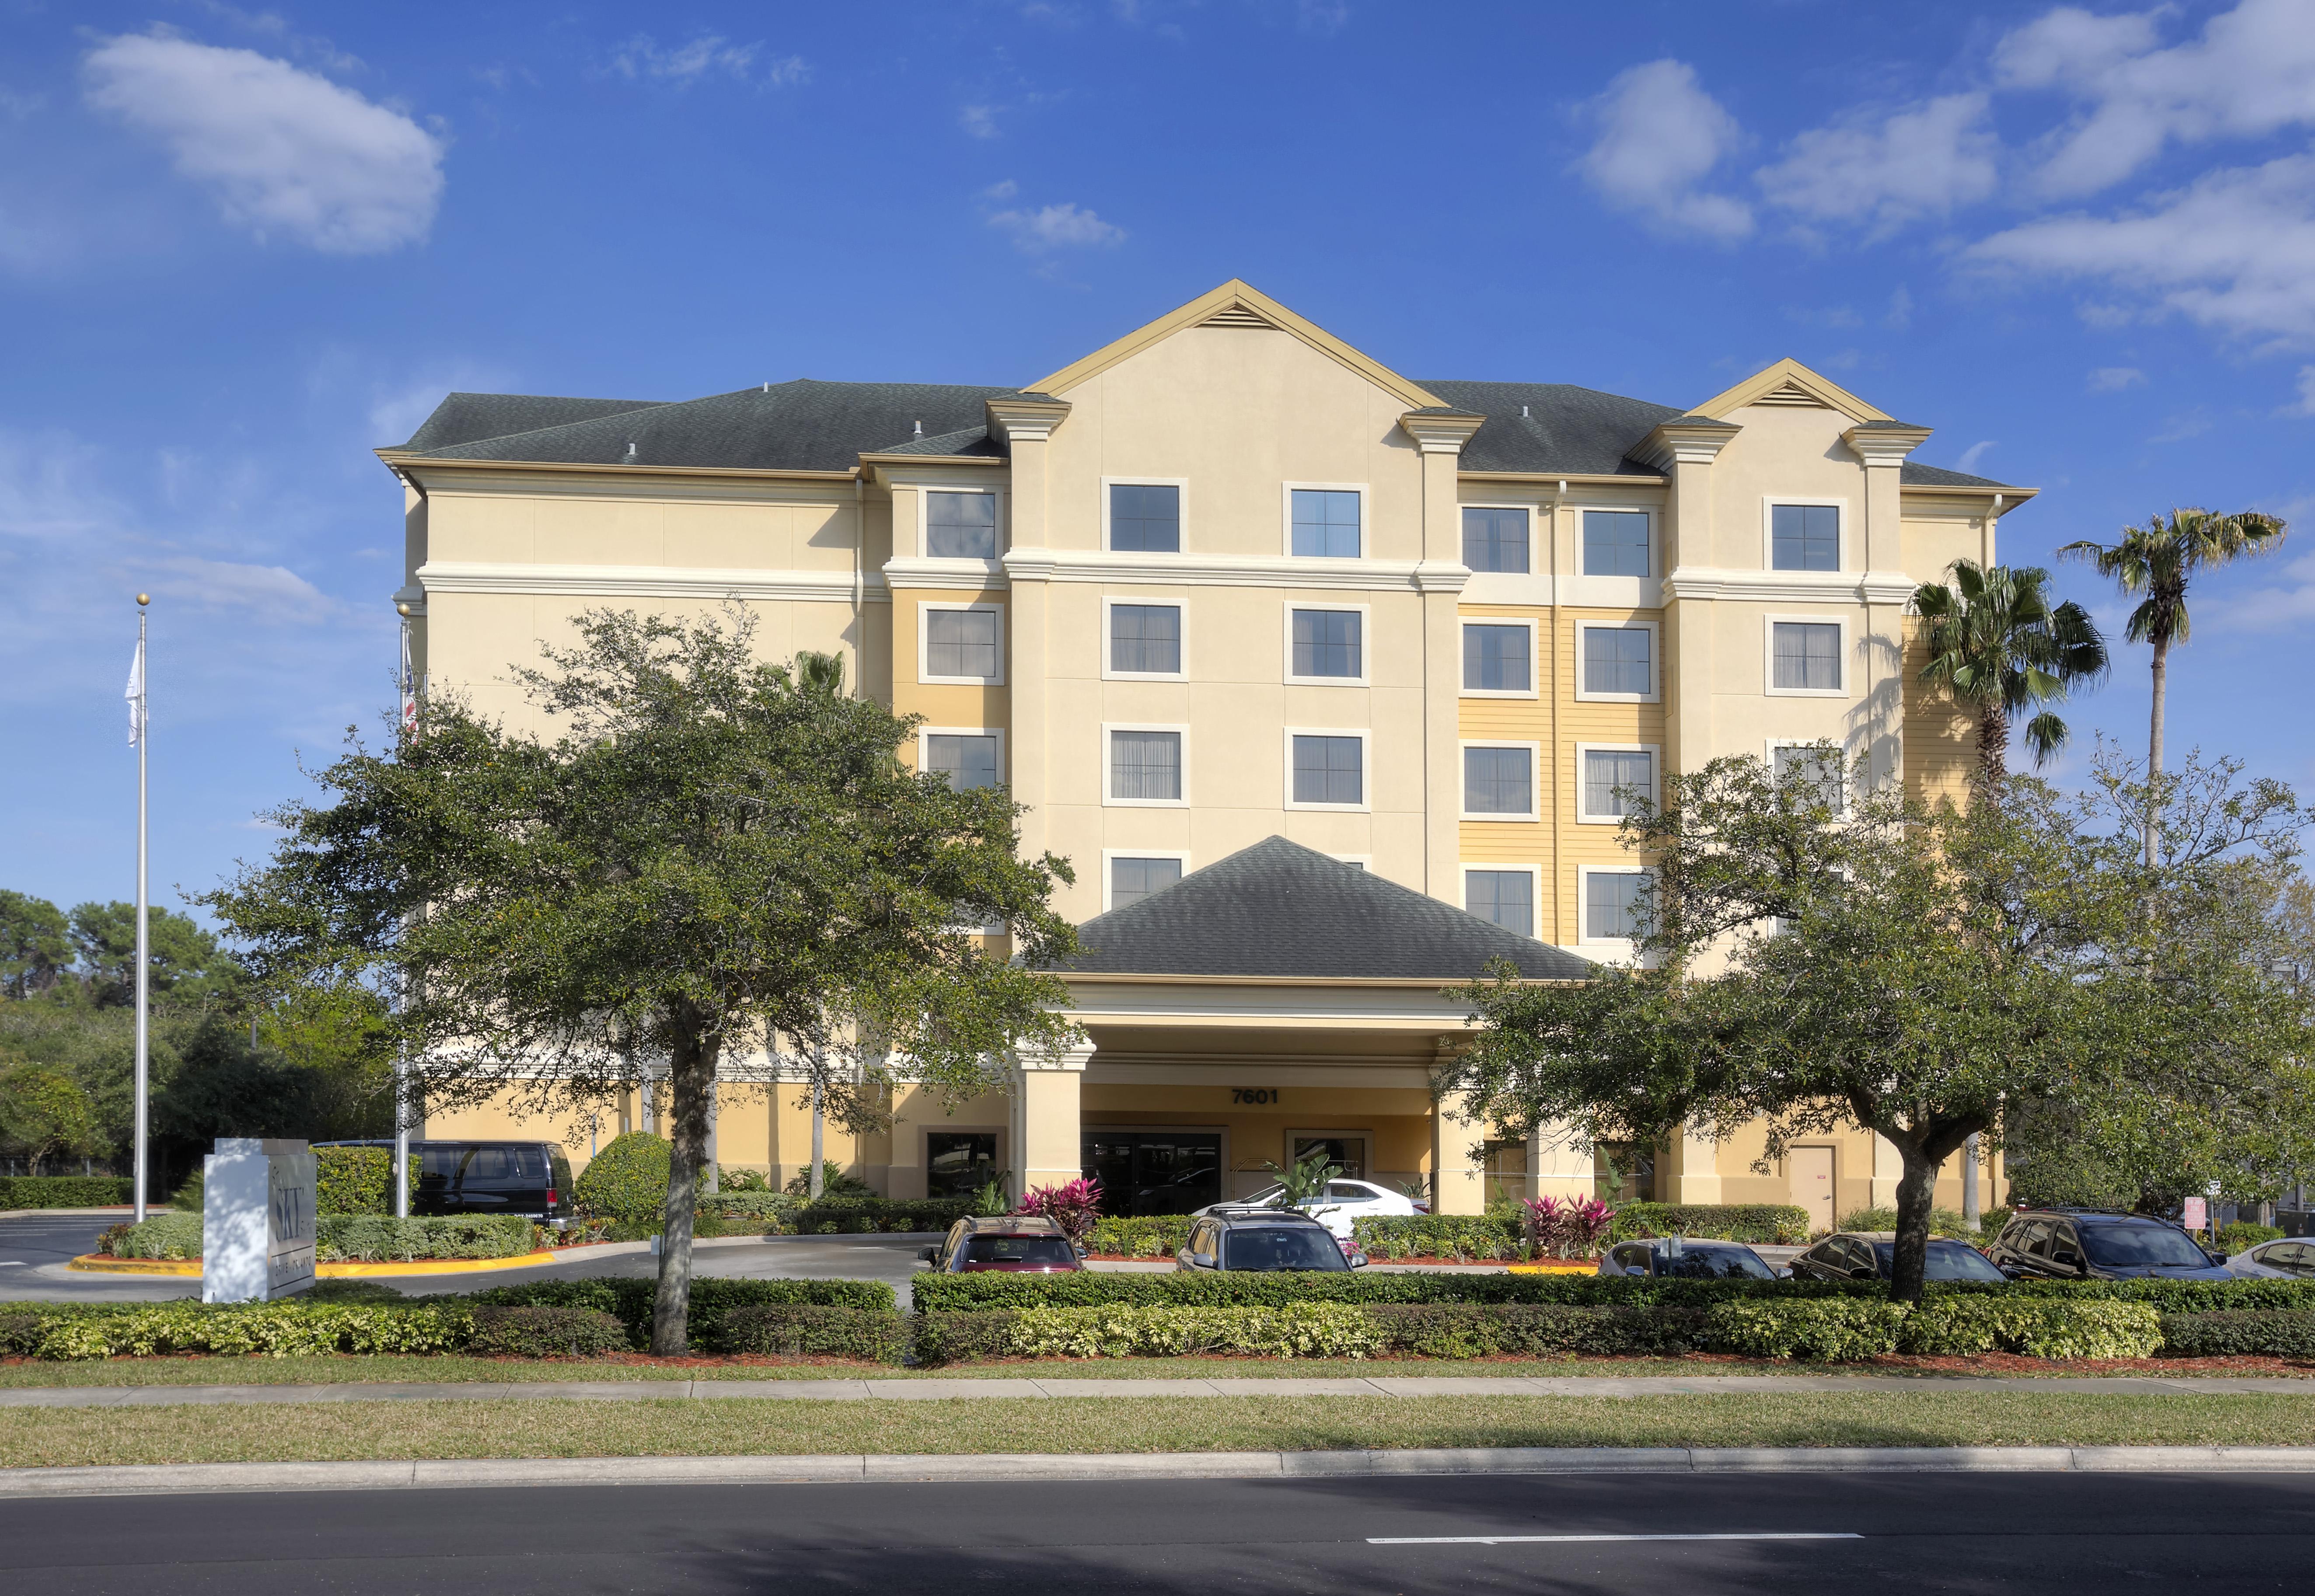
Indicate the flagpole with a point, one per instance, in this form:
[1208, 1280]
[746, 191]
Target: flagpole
[144, 948]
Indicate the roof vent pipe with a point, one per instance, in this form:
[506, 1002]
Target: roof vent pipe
[1524, 415]
[631, 454]
[920, 429]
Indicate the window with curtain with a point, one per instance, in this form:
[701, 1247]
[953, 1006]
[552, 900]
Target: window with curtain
[1326, 523]
[1494, 539]
[1498, 781]
[1804, 536]
[1620, 660]
[1496, 659]
[1328, 643]
[1607, 770]
[1146, 765]
[1506, 897]
[960, 526]
[1807, 655]
[962, 642]
[1145, 518]
[1615, 543]
[1812, 768]
[1329, 769]
[1132, 880]
[1146, 637]
[968, 760]
[1611, 904]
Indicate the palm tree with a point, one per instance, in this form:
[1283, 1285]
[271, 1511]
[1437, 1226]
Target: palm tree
[2159, 560]
[1998, 645]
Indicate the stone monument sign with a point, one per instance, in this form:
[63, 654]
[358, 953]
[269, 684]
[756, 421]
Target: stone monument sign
[257, 1220]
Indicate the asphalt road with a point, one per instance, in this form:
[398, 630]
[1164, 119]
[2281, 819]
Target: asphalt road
[1983, 1534]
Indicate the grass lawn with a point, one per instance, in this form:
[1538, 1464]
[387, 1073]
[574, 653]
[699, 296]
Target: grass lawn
[702, 1428]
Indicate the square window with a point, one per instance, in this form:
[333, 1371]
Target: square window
[1498, 781]
[1145, 518]
[1804, 536]
[1329, 769]
[959, 1162]
[1613, 904]
[1815, 775]
[1146, 638]
[960, 526]
[962, 642]
[1620, 660]
[1325, 522]
[1615, 543]
[1613, 778]
[967, 760]
[1327, 643]
[1146, 765]
[1807, 655]
[1505, 896]
[1494, 539]
[1496, 659]
[1132, 880]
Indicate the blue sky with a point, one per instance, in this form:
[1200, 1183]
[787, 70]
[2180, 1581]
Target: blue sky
[240, 248]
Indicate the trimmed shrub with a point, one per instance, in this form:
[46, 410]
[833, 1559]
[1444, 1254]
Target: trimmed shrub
[166, 1236]
[962, 1337]
[1534, 1330]
[1148, 1236]
[810, 1330]
[20, 1334]
[260, 1329]
[1466, 1237]
[629, 1300]
[1296, 1330]
[1943, 1221]
[2036, 1326]
[65, 1191]
[2242, 1236]
[868, 1215]
[2276, 1333]
[2171, 1295]
[380, 1238]
[773, 1210]
[626, 1181]
[1830, 1330]
[981, 1292]
[546, 1333]
[1776, 1224]
[356, 1180]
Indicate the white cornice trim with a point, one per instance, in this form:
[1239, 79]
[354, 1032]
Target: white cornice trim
[1884, 444]
[1790, 587]
[644, 582]
[1685, 441]
[1436, 434]
[1232, 570]
[910, 571]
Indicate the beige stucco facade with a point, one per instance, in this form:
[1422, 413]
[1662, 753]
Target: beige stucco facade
[1234, 403]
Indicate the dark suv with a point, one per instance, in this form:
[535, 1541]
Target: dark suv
[2081, 1244]
[1265, 1239]
[1015, 1243]
[511, 1177]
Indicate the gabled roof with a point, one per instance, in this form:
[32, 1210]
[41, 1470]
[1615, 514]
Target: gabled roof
[468, 418]
[1789, 378]
[1283, 910]
[1548, 426]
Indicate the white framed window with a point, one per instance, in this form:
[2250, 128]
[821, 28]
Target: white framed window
[961, 644]
[1326, 520]
[1144, 639]
[1807, 760]
[1500, 781]
[1326, 644]
[1499, 537]
[1617, 540]
[1807, 656]
[1327, 768]
[1147, 766]
[1127, 875]
[1609, 899]
[968, 756]
[1618, 662]
[1143, 515]
[960, 522]
[1802, 534]
[1605, 772]
[1499, 658]
[1506, 895]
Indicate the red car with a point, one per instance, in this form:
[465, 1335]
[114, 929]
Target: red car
[1015, 1243]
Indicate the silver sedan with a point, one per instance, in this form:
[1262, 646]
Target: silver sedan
[2291, 1258]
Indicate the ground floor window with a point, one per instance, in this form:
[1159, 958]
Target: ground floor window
[1347, 1154]
[1505, 1168]
[959, 1162]
[1153, 1172]
[1623, 1171]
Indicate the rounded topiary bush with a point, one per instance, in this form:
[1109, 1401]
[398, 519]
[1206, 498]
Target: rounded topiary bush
[626, 1181]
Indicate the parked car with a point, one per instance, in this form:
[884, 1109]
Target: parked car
[1338, 1207]
[2290, 1257]
[1872, 1255]
[1014, 1244]
[2084, 1243]
[1265, 1239]
[1676, 1257]
[511, 1177]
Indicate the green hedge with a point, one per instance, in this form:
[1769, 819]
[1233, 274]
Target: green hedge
[357, 1180]
[981, 1292]
[626, 1181]
[2235, 1333]
[1490, 1238]
[65, 1191]
[1835, 1331]
[2242, 1236]
[339, 1237]
[1535, 1329]
[545, 1333]
[629, 1300]
[76, 1331]
[861, 1216]
[1293, 1330]
[810, 1330]
[169, 1234]
[1148, 1236]
[1775, 1224]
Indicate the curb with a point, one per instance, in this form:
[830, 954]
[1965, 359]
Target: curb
[1010, 1469]
[190, 1268]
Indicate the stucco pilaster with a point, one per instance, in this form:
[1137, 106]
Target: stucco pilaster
[1045, 1118]
[1440, 436]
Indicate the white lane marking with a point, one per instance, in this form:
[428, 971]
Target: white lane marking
[1529, 1539]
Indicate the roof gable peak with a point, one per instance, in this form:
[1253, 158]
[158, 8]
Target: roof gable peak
[1790, 382]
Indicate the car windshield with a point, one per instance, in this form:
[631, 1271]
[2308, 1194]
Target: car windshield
[1696, 1263]
[1292, 1247]
[2131, 1247]
[1947, 1261]
[1017, 1249]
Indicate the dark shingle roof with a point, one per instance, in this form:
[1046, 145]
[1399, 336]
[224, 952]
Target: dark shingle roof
[1279, 908]
[972, 441]
[1914, 474]
[469, 418]
[1579, 431]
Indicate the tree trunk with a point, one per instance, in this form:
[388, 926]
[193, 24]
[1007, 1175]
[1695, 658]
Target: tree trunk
[1993, 745]
[691, 1083]
[1922, 1151]
[2154, 742]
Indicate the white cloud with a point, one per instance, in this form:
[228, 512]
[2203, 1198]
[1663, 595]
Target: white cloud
[2114, 380]
[1001, 190]
[1659, 137]
[980, 121]
[274, 591]
[1900, 313]
[1056, 226]
[2251, 72]
[1976, 452]
[2306, 405]
[283, 149]
[2234, 252]
[707, 55]
[2282, 600]
[1886, 170]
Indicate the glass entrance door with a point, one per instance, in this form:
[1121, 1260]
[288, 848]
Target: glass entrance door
[1154, 1172]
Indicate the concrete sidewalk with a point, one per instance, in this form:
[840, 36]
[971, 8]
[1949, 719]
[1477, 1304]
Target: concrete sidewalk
[940, 1390]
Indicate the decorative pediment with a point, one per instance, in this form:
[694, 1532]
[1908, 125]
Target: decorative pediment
[1790, 382]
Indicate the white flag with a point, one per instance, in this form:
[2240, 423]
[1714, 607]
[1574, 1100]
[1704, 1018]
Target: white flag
[136, 696]
[408, 687]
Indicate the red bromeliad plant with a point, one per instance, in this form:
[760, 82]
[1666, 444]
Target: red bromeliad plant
[1074, 1207]
[1568, 1229]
